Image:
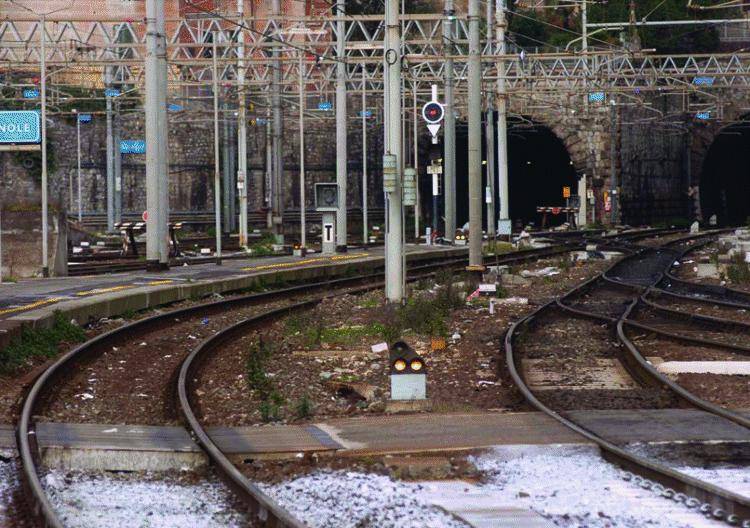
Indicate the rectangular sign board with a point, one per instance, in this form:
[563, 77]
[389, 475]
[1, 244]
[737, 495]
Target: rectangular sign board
[20, 126]
[132, 146]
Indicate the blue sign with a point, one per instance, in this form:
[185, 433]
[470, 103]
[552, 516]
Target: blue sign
[20, 126]
[596, 97]
[31, 93]
[703, 115]
[84, 118]
[175, 108]
[325, 105]
[132, 146]
[112, 92]
[703, 81]
[365, 113]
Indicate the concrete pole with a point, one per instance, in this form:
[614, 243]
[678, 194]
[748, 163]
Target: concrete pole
[226, 170]
[217, 169]
[45, 227]
[490, 149]
[613, 193]
[269, 169]
[394, 236]
[156, 137]
[584, 28]
[475, 137]
[415, 145]
[341, 141]
[78, 133]
[365, 237]
[302, 207]
[449, 133]
[502, 124]
[117, 162]
[241, 127]
[278, 161]
[110, 156]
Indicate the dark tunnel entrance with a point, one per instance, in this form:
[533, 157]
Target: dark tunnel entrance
[539, 166]
[725, 177]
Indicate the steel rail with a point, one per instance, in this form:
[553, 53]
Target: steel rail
[724, 503]
[40, 505]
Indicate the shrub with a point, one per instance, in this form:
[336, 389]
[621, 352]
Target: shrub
[304, 408]
[39, 342]
[738, 271]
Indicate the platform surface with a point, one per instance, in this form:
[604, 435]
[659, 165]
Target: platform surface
[31, 299]
[394, 434]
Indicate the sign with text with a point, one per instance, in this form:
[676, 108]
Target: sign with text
[132, 146]
[566, 192]
[327, 233]
[20, 126]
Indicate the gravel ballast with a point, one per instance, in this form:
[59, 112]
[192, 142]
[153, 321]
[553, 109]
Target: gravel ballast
[111, 501]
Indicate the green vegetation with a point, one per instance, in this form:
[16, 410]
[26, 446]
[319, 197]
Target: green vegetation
[738, 271]
[304, 408]
[270, 408]
[258, 380]
[39, 343]
[263, 247]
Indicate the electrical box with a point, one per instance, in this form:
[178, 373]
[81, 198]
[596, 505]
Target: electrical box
[326, 197]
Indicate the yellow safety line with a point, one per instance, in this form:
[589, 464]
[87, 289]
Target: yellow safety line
[282, 265]
[160, 282]
[98, 291]
[31, 306]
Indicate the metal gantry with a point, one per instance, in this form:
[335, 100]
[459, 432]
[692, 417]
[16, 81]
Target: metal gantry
[271, 61]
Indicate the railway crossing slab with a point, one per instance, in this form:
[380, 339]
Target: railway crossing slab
[129, 447]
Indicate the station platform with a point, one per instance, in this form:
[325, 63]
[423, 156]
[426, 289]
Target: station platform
[154, 448]
[33, 301]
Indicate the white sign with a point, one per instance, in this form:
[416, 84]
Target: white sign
[380, 347]
[434, 129]
[434, 169]
[504, 227]
[435, 185]
[487, 195]
[327, 233]
[487, 288]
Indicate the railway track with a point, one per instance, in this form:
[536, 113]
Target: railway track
[598, 318]
[249, 310]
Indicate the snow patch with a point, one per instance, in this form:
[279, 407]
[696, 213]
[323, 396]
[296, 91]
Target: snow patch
[84, 500]
[345, 499]
[573, 487]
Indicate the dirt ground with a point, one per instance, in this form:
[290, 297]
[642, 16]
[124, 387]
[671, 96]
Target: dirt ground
[469, 374]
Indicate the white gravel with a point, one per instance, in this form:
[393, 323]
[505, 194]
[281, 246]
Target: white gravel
[573, 487]
[115, 501]
[8, 482]
[733, 478]
[344, 499]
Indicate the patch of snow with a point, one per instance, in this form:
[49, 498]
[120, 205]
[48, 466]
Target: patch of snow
[573, 487]
[345, 499]
[733, 478]
[84, 500]
[8, 482]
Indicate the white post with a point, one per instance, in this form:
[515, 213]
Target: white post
[584, 29]
[394, 236]
[502, 124]
[157, 255]
[415, 145]
[217, 170]
[449, 133]
[78, 134]
[277, 194]
[365, 237]
[1, 242]
[341, 140]
[45, 229]
[110, 156]
[302, 105]
[475, 135]
[241, 127]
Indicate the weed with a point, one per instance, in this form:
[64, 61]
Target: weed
[738, 271]
[270, 407]
[128, 314]
[304, 408]
[10, 278]
[257, 378]
[36, 343]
